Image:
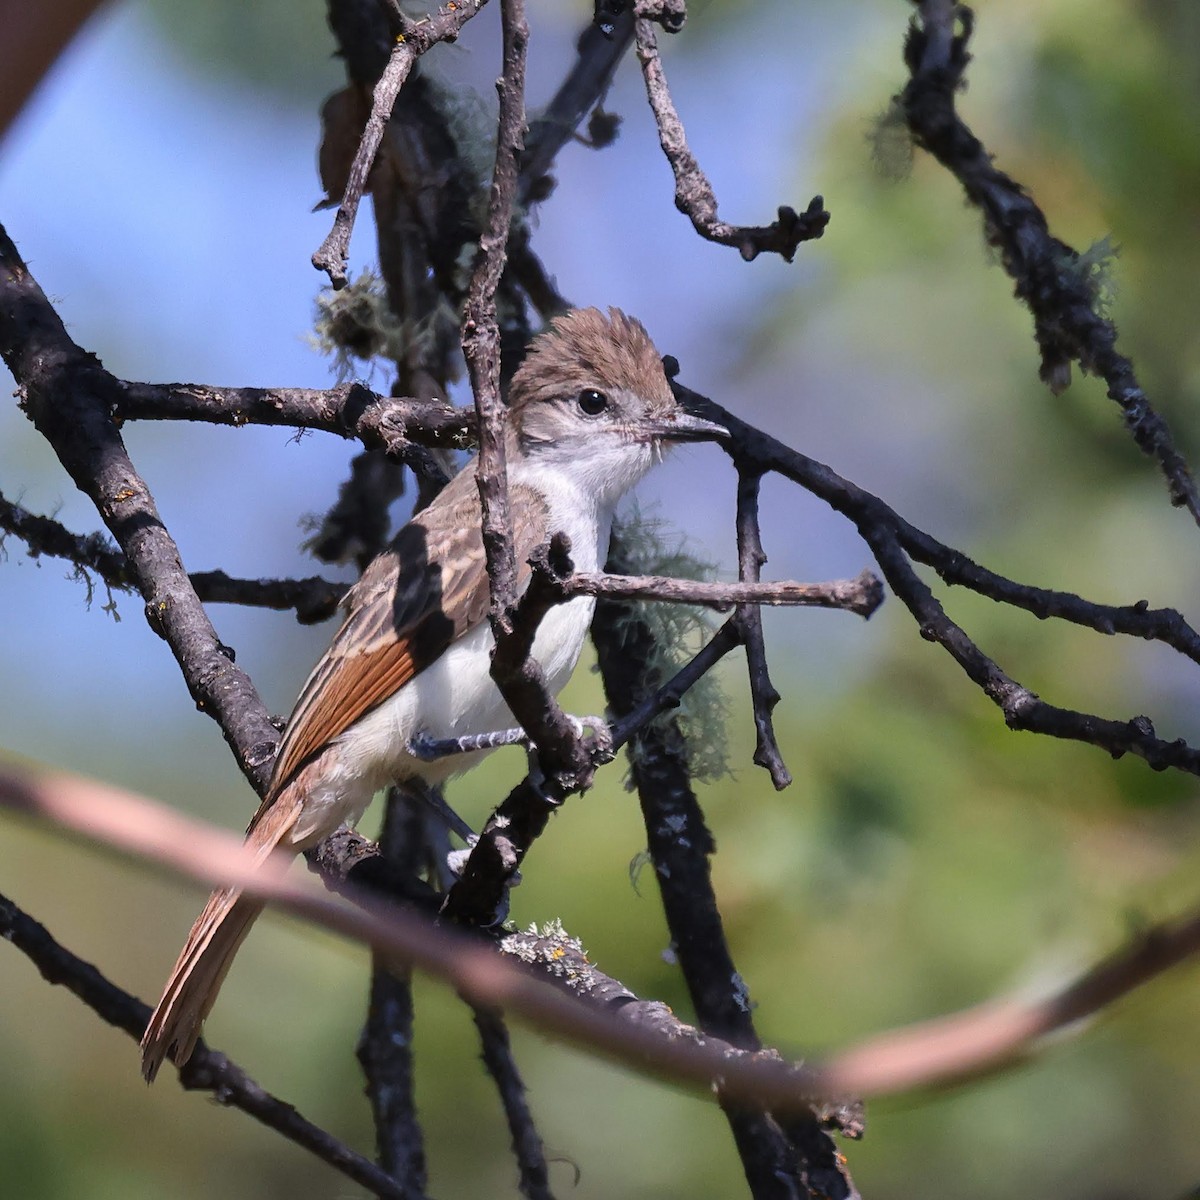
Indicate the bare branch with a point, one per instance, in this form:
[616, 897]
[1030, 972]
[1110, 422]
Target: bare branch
[45, 536]
[669, 695]
[763, 694]
[861, 596]
[948, 1050]
[207, 1070]
[516, 673]
[694, 195]
[385, 1049]
[680, 845]
[414, 39]
[1166, 625]
[349, 410]
[69, 398]
[598, 53]
[643, 1036]
[1049, 276]
[889, 535]
[313, 599]
[527, 1145]
[481, 333]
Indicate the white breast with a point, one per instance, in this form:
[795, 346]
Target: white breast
[455, 695]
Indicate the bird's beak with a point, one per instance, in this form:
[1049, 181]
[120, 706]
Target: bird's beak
[682, 426]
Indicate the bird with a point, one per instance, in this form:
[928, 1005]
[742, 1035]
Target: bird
[589, 412]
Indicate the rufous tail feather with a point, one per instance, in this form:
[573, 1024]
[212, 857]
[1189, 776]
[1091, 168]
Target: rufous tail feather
[205, 959]
[196, 979]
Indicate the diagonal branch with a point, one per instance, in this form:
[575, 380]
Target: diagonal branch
[1049, 275]
[69, 396]
[207, 1070]
[611, 1020]
[644, 1036]
[597, 54]
[694, 194]
[413, 40]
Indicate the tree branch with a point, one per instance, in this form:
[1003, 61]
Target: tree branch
[501, 1065]
[694, 195]
[350, 410]
[313, 599]
[680, 846]
[413, 40]
[207, 1070]
[861, 596]
[641, 1034]
[1049, 275]
[597, 55]
[68, 396]
[481, 333]
[763, 694]
[889, 537]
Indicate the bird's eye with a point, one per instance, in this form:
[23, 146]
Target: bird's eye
[591, 402]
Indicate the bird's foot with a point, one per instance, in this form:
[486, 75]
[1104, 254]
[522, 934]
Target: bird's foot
[427, 748]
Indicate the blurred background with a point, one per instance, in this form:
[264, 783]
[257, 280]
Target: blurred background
[160, 185]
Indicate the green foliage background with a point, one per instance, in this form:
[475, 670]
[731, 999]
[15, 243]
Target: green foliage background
[925, 858]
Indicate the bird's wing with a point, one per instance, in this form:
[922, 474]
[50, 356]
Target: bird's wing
[403, 613]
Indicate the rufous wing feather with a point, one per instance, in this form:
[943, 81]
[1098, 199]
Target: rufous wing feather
[427, 589]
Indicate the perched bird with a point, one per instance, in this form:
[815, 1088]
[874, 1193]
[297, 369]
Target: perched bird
[589, 412]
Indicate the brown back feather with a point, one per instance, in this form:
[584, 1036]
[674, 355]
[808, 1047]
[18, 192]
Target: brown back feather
[426, 590]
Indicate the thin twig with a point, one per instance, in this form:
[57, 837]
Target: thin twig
[69, 398]
[207, 1070]
[314, 599]
[861, 596]
[1049, 275]
[501, 1065]
[694, 194]
[764, 696]
[669, 695]
[566, 763]
[888, 534]
[414, 40]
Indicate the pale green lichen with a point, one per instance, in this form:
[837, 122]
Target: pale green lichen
[1094, 269]
[355, 325]
[891, 143]
[678, 631]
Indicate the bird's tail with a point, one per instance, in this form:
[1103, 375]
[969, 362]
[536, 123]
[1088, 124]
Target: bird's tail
[205, 959]
[196, 978]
